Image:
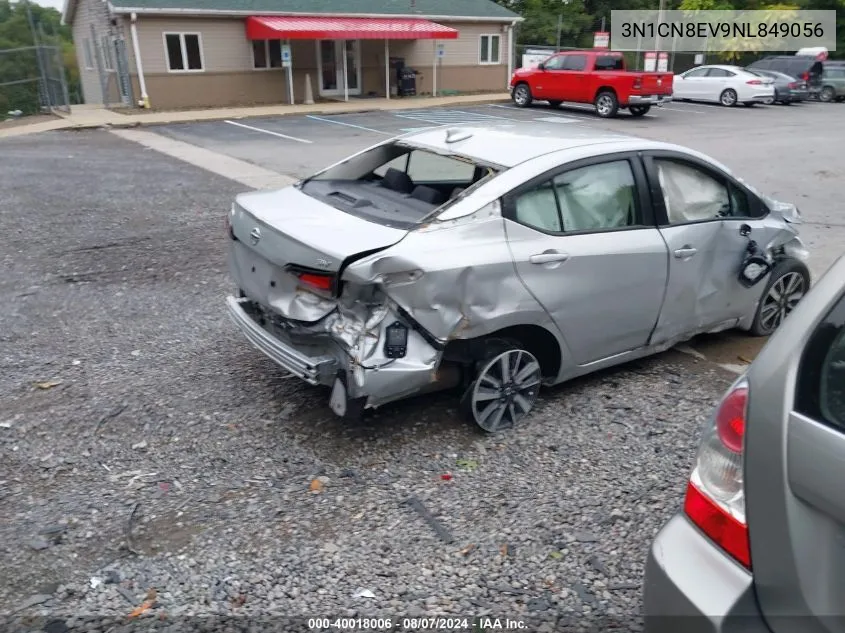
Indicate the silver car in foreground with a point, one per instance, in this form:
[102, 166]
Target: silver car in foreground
[497, 258]
[760, 543]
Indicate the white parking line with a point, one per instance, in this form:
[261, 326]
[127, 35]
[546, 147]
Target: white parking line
[358, 127]
[559, 119]
[683, 110]
[258, 129]
[567, 115]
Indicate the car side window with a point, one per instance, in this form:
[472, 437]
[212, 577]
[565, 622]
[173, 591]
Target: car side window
[719, 72]
[554, 63]
[575, 62]
[690, 194]
[538, 208]
[592, 198]
[821, 375]
[601, 196]
[698, 72]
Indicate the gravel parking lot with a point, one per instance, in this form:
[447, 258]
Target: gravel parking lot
[149, 454]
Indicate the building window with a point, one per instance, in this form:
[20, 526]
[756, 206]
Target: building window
[108, 57]
[490, 49]
[184, 52]
[267, 54]
[89, 56]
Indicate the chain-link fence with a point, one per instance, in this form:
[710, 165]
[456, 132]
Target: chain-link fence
[32, 78]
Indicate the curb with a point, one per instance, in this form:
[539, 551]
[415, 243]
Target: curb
[322, 110]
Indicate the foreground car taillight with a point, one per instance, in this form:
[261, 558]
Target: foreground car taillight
[754, 82]
[715, 499]
[638, 83]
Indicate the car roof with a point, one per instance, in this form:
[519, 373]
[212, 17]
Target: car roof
[508, 144]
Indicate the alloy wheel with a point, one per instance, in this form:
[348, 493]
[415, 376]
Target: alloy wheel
[506, 390]
[728, 98]
[781, 299]
[604, 105]
[520, 94]
[827, 94]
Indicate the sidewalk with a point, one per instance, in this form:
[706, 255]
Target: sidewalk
[86, 116]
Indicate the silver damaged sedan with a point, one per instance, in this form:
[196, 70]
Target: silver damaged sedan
[495, 259]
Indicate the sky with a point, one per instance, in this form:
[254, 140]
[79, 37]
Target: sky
[56, 4]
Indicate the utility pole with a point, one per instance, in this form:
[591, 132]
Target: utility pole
[660, 10]
[559, 29]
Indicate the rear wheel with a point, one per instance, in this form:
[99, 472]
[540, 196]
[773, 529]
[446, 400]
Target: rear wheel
[505, 387]
[639, 110]
[522, 96]
[788, 283]
[728, 98]
[606, 103]
[555, 103]
[827, 94]
[768, 101]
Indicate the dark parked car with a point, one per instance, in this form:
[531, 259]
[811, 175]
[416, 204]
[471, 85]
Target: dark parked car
[832, 82]
[788, 89]
[805, 68]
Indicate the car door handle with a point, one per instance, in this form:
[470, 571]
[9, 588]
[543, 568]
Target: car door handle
[548, 257]
[686, 251]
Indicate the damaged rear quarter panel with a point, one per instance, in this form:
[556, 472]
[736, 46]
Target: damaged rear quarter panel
[467, 287]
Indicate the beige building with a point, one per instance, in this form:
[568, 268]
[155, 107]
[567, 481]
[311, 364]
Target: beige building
[196, 53]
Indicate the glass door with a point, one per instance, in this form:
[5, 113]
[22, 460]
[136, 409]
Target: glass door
[330, 55]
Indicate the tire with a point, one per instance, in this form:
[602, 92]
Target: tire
[606, 104]
[728, 98]
[522, 97]
[775, 305]
[827, 94]
[769, 101]
[555, 103]
[639, 110]
[494, 400]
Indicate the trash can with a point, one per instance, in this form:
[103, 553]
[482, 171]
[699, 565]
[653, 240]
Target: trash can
[407, 82]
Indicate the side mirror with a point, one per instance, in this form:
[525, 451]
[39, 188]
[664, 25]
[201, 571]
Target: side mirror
[541, 66]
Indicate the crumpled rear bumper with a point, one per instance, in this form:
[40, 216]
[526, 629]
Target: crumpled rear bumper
[345, 350]
[315, 370]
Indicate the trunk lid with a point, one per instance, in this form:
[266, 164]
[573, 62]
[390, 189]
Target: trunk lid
[285, 237]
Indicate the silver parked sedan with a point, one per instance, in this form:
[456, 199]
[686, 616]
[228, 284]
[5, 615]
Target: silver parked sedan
[758, 546]
[494, 259]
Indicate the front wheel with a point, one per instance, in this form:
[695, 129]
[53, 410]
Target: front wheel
[639, 110]
[728, 98]
[507, 381]
[788, 283]
[606, 104]
[522, 96]
[768, 101]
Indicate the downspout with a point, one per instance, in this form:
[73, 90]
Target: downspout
[510, 55]
[136, 49]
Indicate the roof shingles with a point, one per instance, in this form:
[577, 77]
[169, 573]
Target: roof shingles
[423, 8]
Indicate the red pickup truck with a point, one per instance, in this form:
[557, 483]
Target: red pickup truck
[591, 76]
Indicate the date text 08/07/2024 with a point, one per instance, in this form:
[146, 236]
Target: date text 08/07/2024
[417, 624]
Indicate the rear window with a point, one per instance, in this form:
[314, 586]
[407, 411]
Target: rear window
[610, 62]
[395, 184]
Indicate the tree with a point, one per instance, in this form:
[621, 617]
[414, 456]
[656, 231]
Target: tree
[21, 66]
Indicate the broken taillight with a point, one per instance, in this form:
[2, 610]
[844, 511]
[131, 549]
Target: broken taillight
[320, 282]
[715, 499]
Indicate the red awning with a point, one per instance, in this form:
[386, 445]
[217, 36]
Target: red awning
[327, 28]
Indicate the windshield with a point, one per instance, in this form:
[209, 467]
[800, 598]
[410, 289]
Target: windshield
[396, 184]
